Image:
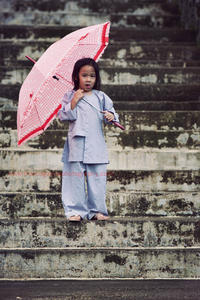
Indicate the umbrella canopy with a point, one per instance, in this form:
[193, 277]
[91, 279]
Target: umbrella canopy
[43, 89]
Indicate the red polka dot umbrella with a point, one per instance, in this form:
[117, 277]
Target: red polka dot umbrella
[43, 89]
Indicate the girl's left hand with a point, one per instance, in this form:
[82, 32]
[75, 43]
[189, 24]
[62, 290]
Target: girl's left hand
[108, 115]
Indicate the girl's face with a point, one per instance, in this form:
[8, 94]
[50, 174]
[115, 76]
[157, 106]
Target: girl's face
[87, 78]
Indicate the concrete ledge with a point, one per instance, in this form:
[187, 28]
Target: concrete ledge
[55, 139]
[119, 5]
[16, 205]
[128, 159]
[117, 180]
[117, 232]
[115, 138]
[178, 96]
[176, 34]
[88, 18]
[122, 53]
[100, 262]
[161, 121]
[120, 75]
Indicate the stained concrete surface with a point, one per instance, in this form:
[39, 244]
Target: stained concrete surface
[100, 289]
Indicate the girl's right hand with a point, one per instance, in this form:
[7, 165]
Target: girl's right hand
[77, 96]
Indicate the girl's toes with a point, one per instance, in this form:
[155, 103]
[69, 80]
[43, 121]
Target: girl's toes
[101, 217]
[75, 218]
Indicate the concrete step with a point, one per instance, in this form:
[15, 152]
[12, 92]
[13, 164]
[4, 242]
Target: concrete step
[116, 63]
[152, 180]
[119, 203]
[142, 6]
[139, 64]
[118, 289]
[152, 51]
[87, 18]
[151, 139]
[134, 97]
[130, 76]
[120, 75]
[117, 232]
[55, 139]
[172, 121]
[119, 54]
[159, 93]
[66, 18]
[127, 159]
[176, 34]
[164, 262]
[157, 106]
[156, 20]
[128, 106]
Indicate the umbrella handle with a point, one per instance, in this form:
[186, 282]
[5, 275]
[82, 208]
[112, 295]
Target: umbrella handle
[118, 125]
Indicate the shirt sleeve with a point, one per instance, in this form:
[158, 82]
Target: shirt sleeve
[66, 113]
[108, 105]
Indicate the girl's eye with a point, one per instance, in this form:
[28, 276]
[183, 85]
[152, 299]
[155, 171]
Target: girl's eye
[86, 75]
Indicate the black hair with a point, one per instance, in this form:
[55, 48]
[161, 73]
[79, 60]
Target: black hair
[83, 62]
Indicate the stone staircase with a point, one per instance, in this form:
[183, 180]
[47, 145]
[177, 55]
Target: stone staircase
[151, 71]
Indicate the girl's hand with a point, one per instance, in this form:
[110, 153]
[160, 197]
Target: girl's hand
[77, 96]
[108, 115]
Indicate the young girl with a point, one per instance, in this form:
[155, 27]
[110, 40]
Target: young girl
[85, 151]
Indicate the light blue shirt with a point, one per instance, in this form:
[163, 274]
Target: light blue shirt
[85, 141]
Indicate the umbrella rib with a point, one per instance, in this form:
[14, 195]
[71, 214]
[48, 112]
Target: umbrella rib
[39, 116]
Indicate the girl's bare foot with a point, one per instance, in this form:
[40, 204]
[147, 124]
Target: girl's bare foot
[75, 218]
[100, 217]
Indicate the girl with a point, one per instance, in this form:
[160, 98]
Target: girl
[85, 151]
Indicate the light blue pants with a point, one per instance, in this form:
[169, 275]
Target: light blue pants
[84, 189]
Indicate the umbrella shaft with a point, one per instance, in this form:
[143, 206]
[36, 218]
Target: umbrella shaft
[92, 105]
[114, 122]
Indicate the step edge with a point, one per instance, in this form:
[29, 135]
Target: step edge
[14, 130]
[131, 43]
[114, 27]
[88, 13]
[124, 68]
[129, 151]
[122, 192]
[185, 218]
[88, 249]
[99, 279]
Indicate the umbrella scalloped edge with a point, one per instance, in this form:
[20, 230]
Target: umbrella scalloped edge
[105, 40]
[40, 128]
